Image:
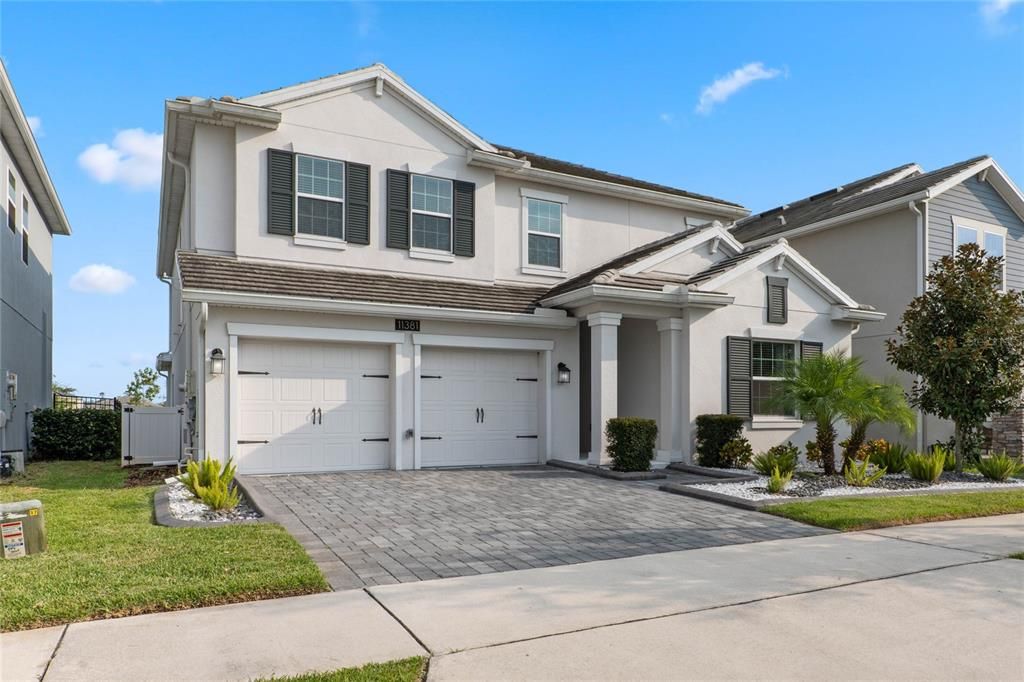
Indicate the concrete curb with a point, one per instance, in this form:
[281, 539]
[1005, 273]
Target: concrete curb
[712, 473]
[608, 473]
[707, 495]
[163, 517]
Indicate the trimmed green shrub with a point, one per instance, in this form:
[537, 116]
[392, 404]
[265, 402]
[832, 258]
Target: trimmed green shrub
[631, 442]
[927, 468]
[999, 467]
[783, 457]
[76, 434]
[713, 432]
[735, 454]
[892, 457]
[212, 483]
[778, 480]
[858, 476]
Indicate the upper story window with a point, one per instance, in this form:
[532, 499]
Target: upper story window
[320, 196]
[769, 360]
[431, 213]
[24, 247]
[24, 211]
[12, 205]
[991, 238]
[543, 233]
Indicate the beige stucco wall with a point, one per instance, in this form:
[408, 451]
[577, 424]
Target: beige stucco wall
[639, 369]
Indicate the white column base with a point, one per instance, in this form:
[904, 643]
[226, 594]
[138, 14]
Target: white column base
[663, 458]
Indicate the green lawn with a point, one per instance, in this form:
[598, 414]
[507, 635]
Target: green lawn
[405, 670]
[1019, 555]
[107, 558]
[880, 512]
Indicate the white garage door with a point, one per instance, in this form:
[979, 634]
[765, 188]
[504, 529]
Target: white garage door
[478, 407]
[312, 407]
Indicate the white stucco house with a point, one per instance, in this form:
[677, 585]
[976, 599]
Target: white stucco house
[358, 281]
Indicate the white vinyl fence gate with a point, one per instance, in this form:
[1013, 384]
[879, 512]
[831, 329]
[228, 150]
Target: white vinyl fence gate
[152, 435]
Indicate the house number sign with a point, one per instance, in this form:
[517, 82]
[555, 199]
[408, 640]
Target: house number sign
[407, 325]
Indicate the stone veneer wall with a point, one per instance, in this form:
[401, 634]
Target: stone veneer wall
[1008, 433]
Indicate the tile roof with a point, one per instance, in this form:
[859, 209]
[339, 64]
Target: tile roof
[222, 273]
[610, 272]
[555, 165]
[842, 200]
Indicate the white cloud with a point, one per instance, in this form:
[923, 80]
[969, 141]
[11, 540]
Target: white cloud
[134, 159]
[993, 12]
[101, 279]
[666, 117]
[725, 87]
[36, 124]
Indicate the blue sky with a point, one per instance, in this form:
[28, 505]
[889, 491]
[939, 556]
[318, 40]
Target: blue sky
[798, 97]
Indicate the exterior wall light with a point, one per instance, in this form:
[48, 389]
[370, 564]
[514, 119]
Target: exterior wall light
[564, 373]
[216, 361]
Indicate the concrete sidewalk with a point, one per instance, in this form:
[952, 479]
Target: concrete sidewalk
[878, 604]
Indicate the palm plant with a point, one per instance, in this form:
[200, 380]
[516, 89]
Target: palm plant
[826, 388]
[884, 403]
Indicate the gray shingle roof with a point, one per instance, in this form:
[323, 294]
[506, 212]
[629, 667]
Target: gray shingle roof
[222, 273]
[846, 199]
[555, 165]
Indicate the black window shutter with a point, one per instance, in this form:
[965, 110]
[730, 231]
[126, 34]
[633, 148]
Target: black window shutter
[810, 349]
[738, 371]
[778, 303]
[463, 238]
[398, 210]
[280, 192]
[357, 203]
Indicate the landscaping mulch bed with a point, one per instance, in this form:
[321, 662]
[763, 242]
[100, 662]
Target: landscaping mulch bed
[144, 476]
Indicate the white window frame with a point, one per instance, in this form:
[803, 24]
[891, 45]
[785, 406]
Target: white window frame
[24, 211]
[755, 378]
[526, 267]
[324, 241]
[12, 201]
[424, 252]
[981, 229]
[24, 247]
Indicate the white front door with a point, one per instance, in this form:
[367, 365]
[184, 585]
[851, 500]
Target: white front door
[478, 407]
[307, 406]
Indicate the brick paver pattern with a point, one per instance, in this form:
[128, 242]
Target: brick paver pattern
[383, 527]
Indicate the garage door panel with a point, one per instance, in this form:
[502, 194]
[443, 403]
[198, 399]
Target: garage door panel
[303, 376]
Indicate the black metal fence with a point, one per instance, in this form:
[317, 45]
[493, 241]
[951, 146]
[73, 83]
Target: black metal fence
[85, 402]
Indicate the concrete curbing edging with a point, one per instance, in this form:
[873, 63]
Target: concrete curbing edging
[607, 473]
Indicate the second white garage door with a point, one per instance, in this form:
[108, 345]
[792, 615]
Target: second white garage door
[478, 407]
[312, 406]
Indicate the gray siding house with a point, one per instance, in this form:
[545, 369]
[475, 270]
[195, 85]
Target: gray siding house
[32, 214]
[877, 237]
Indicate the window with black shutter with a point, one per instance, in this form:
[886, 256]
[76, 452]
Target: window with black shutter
[280, 192]
[778, 303]
[737, 368]
[397, 221]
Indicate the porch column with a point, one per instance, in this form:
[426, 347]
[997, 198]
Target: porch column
[670, 417]
[604, 380]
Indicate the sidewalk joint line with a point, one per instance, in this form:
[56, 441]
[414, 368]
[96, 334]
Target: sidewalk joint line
[715, 607]
[399, 621]
[926, 544]
[53, 654]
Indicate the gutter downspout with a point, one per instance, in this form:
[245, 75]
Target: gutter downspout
[188, 196]
[922, 272]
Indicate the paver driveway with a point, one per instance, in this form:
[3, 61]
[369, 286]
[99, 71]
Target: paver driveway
[374, 528]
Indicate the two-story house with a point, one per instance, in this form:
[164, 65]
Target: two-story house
[32, 216]
[358, 281]
[878, 237]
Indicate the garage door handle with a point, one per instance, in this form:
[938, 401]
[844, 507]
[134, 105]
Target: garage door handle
[376, 440]
[252, 442]
[430, 437]
[320, 415]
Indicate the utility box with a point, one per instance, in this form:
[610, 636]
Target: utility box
[22, 528]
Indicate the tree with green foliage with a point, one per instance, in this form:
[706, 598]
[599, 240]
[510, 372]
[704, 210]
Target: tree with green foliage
[885, 403]
[964, 340]
[827, 388]
[144, 388]
[62, 389]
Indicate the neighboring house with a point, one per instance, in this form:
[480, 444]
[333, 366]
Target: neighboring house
[358, 281]
[32, 215]
[877, 237]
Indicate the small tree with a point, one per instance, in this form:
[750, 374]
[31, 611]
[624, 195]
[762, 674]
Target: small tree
[826, 388]
[62, 389]
[964, 340]
[143, 389]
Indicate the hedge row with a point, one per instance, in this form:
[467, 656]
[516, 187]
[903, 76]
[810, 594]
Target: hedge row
[76, 434]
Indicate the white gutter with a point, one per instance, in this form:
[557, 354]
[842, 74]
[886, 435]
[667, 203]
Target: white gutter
[847, 314]
[188, 197]
[543, 318]
[679, 297]
[521, 168]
